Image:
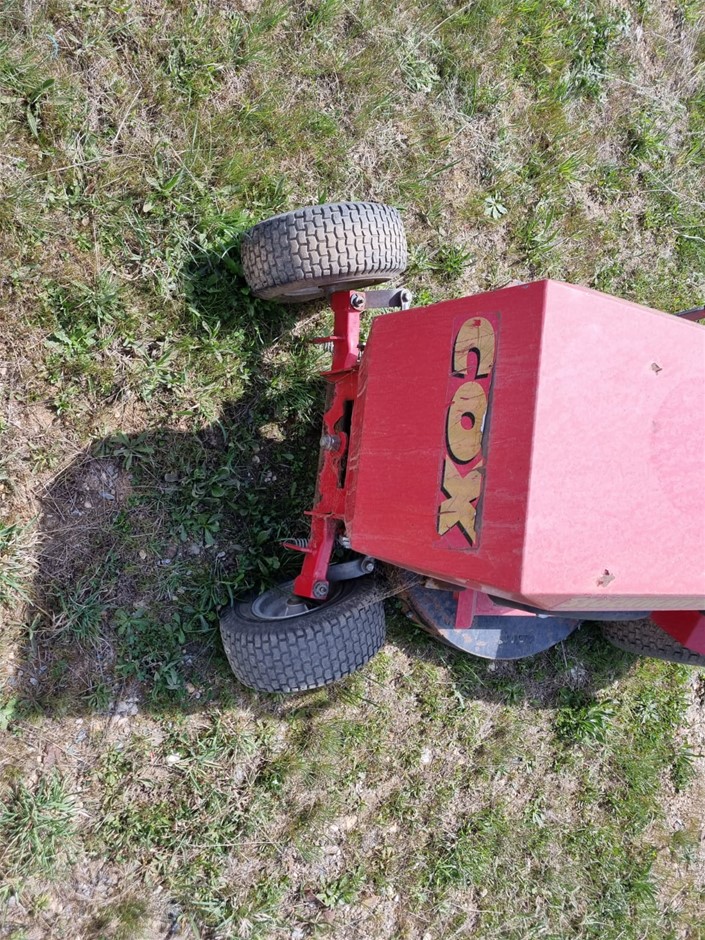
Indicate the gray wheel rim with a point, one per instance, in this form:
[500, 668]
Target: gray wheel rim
[280, 604]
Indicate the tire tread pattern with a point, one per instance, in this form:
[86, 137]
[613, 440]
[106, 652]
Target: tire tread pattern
[645, 638]
[295, 255]
[309, 651]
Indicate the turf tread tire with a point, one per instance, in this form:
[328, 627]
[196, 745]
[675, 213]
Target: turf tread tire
[645, 638]
[305, 652]
[296, 256]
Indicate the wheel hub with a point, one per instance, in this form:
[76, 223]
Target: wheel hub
[280, 603]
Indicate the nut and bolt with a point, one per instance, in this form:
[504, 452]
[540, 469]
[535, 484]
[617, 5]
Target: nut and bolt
[330, 442]
[368, 565]
[357, 301]
[320, 590]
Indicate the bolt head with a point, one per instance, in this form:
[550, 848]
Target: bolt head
[330, 442]
[320, 590]
[357, 301]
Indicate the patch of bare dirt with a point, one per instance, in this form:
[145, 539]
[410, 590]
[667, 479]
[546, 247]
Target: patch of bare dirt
[76, 508]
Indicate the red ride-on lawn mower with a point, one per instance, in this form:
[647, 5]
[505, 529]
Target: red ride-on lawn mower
[523, 459]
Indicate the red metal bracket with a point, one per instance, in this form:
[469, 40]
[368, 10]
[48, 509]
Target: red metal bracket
[329, 507]
[686, 626]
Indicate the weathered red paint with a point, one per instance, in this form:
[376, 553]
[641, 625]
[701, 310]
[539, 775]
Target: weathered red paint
[473, 604]
[329, 504]
[463, 458]
[594, 453]
[578, 442]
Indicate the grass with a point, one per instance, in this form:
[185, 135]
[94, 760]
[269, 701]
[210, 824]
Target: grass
[15, 562]
[159, 440]
[36, 824]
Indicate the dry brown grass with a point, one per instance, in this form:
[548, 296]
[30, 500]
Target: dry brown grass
[432, 795]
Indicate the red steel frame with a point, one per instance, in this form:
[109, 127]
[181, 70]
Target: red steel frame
[329, 509]
[685, 626]
[328, 514]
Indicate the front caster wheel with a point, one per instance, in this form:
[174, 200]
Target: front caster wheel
[280, 643]
[301, 255]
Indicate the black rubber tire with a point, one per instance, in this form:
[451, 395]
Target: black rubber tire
[645, 638]
[296, 256]
[309, 651]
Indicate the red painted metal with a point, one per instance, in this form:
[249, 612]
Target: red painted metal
[544, 443]
[346, 330]
[473, 604]
[686, 626]
[329, 508]
[593, 450]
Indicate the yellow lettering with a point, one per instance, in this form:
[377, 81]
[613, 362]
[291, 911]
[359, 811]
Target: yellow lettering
[464, 426]
[458, 509]
[476, 335]
[470, 405]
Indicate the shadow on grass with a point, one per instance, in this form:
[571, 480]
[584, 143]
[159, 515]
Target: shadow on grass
[570, 672]
[145, 536]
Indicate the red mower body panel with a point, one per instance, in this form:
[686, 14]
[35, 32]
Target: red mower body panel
[544, 443]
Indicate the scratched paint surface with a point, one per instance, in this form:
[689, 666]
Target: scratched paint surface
[466, 430]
